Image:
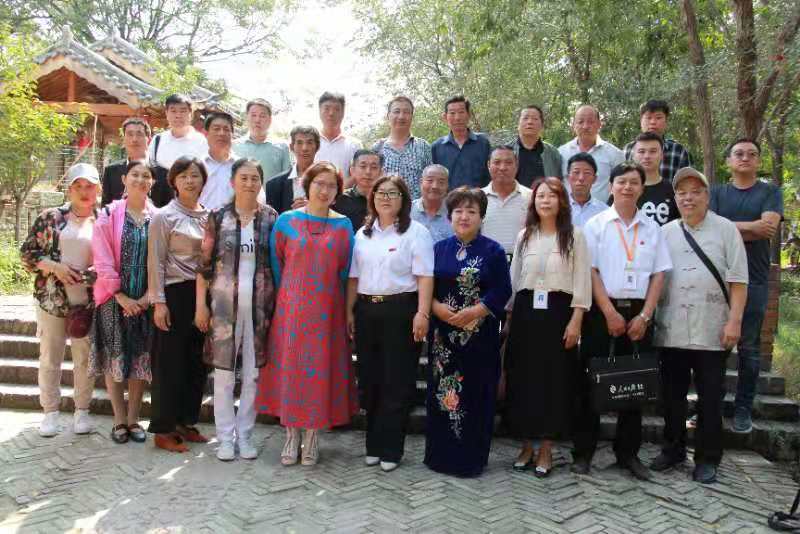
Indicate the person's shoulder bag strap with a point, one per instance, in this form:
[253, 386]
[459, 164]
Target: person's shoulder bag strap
[706, 261]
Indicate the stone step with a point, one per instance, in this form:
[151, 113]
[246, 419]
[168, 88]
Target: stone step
[775, 440]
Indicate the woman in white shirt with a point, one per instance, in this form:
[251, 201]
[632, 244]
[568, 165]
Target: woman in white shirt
[552, 284]
[388, 310]
[235, 270]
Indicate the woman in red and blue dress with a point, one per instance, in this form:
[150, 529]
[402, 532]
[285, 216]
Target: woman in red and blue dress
[308, 380]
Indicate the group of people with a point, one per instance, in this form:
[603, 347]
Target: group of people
[510, 266]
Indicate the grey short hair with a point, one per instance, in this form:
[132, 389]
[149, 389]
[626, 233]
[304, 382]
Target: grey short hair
[435, 167]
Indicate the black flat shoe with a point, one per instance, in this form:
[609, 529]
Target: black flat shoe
[581, 467]
[636, 468]
[542, 472]
[705, 473]
[120, 434]
[519, 466]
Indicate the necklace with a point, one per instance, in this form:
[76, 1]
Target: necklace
[72, 211]
[138, 217]
[244, 217]
[317, 232]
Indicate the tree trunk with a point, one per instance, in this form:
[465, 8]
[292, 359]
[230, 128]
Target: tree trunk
[701, 97]
[19, 203]
[747, 57]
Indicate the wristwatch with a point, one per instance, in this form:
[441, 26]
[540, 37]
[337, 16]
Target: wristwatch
[645, 318]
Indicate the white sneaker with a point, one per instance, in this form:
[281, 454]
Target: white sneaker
[246, 449]
[82, 424]
[372, 460]
[226, 451]
[49, 425]
[388, 466]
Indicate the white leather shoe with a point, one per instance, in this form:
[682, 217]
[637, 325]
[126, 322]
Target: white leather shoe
[82, 423]
[246, 449]
[372, 460]
[49, 425]
[226, 451]
[388, 466]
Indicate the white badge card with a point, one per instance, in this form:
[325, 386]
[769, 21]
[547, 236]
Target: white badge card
[629, 280]
[539, 299]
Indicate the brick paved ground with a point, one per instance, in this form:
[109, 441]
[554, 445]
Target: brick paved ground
[88, 483]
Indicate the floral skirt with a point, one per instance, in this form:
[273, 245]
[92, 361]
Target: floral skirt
[120, 345]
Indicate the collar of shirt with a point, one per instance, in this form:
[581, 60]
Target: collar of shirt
[591, 202]
[612, 215]
[231, 157]
[538, 146]
[518, 190]
[293, 173]
[598, 144]
[408, 143]
[340, 137]
[471, 137]
[417, 206]
[376, 228]
[353, 192]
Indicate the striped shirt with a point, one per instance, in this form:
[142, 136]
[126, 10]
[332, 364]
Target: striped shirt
[505, 217]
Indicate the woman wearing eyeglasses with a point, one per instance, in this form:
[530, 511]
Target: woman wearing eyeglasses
[388, 309]
[308, 380]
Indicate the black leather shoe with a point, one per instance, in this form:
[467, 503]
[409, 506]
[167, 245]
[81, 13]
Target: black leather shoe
[580, 466]
[664, 461]
[705, 473]
[637, 469]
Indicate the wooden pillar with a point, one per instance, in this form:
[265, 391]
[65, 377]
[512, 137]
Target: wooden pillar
[71, 87]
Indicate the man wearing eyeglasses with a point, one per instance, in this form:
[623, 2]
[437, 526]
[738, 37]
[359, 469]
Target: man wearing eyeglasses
[364, 170]
[757, 209]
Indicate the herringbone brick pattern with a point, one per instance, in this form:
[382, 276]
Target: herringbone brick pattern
[89, 484]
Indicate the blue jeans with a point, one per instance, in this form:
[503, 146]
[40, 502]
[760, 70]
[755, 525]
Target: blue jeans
[750, 344]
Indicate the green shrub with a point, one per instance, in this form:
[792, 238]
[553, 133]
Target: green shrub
[786, 356]
[14, 280]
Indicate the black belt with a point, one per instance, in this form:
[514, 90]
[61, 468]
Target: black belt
[380, 299]
[624, 303]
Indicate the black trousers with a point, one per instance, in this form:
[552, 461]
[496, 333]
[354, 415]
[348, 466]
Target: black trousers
[179, 374]
[595, 340]
[708, 366]
[388, 358]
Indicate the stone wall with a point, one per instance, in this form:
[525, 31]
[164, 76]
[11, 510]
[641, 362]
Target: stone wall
[36, 202]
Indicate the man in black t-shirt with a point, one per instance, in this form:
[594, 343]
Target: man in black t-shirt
[757, 209]
[658, 199]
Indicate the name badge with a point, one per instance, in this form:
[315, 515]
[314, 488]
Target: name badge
[539, 299]
[629, 280]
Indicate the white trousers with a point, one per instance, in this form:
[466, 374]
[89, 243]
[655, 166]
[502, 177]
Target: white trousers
[244, 419]
[52, 334]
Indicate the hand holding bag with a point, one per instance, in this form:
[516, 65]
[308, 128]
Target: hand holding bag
[624, 382]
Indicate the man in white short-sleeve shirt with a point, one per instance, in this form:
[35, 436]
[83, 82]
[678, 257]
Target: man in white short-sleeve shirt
[335, 146]
[629, 259]
[507, 200]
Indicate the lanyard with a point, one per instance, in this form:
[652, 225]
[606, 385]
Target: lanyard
[630, 252]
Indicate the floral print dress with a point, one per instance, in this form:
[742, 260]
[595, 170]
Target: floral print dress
[464, 364]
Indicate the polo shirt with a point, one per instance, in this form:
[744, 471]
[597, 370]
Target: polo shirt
[468, 164]
[274, 157]
[339, 151]
[505, 217]
[650, 254]
[352, 204]
[439, 225]
[692, 311]
[582, 213]
[606, 155]
[388, 262]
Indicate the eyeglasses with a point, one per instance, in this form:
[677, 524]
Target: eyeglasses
[325, 185]
[740, 154]
[388, 195]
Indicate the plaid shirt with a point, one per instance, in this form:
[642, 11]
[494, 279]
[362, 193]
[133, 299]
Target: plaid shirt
[675, 157]
[409, 162]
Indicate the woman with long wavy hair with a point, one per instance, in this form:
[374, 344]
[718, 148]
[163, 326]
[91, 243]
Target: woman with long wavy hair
[552, 288]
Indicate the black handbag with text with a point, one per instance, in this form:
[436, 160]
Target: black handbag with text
[624, 381]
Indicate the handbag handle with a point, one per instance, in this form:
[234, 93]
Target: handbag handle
[613, 344]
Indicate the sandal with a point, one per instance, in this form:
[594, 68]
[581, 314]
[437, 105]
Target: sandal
[191, 434]
[170, 442]
[541, 471]
[291, 450]
[120, 434]
[137, 433]
[310, 448]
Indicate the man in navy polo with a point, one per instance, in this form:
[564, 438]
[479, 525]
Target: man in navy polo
[463, 152]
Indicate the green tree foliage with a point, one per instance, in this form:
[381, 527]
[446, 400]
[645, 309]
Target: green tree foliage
[30, 129]
[504, 54]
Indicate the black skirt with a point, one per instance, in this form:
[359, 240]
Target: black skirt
[540, 372]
